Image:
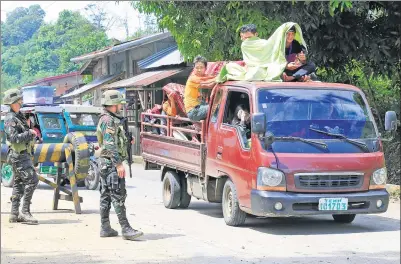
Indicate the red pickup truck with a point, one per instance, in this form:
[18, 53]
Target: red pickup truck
[309, 149]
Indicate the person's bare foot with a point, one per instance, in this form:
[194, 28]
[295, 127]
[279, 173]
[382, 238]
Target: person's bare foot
[287, 78]
[306, 78]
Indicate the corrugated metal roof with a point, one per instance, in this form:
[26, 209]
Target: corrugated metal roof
[122, 46]
[51, 78]
[143, 79]
[168, 56]
[97, 82]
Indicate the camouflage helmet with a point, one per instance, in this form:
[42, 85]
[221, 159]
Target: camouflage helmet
[112, 97]
[11, 96]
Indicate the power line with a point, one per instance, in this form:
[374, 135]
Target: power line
[49, 5]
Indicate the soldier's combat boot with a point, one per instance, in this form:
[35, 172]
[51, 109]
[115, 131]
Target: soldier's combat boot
[105, 228]
[129, 233]
[107, 231]
[15, 202]
[13, 218]
[25, 216]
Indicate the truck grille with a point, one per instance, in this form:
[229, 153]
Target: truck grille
[328, 180]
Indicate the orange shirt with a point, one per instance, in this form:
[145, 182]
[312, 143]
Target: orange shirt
[191, 94]
[170, 109]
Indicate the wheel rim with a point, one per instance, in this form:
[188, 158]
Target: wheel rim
[167, 190]
[6, 172]
[91, 173]
[228, 205]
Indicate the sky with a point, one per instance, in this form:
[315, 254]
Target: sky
[53, 8]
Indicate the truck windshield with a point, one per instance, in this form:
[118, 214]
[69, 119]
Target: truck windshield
[293, 112]
[51, 123]
[84, 119]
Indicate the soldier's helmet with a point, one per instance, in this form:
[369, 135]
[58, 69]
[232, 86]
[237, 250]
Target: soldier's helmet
[112, 97]
[11, 96]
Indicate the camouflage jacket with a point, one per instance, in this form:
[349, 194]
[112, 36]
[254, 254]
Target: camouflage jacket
[111, 138]
[18, 135]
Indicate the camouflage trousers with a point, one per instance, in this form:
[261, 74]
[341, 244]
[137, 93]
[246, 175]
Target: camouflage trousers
[25, 181]
[112, 191]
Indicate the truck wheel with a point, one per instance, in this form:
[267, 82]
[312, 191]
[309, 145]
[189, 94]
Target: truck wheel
[80, 155]
[7, 175]
[345, 218]
[233, 216]
[92, 180]
[171, 190]
[185, 197]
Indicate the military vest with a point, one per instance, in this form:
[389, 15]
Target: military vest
[21, 127]
[119, 137]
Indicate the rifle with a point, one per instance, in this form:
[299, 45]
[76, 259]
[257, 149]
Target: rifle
[128, 135]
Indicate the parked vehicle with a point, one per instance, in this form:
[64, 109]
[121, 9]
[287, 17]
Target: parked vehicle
[52, 123]
[49, 123]
[313, 149]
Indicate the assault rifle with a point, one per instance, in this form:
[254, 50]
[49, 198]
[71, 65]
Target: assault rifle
[128, 135]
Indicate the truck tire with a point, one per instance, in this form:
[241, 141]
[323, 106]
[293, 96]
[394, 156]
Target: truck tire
[7, 175]
[80, 155]
[93, 178]
[344, 218]
[233, 215]
[185, 197]
[171, 190]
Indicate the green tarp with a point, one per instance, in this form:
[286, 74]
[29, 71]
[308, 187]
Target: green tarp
[265, 59]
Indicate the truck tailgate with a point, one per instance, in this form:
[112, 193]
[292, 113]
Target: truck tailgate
[186, 156]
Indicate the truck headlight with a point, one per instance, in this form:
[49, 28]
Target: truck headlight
[270, 177]
[379, 177]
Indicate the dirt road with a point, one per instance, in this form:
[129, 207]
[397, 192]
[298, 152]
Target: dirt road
[194, 235]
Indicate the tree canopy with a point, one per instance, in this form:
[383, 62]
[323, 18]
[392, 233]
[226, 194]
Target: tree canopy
[365, 31]
[21, 24]
[49, 49]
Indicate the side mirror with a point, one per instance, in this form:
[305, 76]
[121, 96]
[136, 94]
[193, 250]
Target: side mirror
[258, 125]
[268, 139]
[390, 122]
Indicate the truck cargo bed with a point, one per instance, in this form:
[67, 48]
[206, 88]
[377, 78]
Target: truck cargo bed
[166, 150]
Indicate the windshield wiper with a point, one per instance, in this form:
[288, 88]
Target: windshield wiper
[359, 144]
[308, 141]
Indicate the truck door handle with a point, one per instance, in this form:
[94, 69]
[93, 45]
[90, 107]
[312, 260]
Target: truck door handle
[219, 152]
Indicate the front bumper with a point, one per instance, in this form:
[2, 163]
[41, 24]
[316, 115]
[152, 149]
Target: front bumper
[262, 203]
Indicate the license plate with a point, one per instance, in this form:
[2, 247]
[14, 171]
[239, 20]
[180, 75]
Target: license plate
[333, 204]
[49, 170]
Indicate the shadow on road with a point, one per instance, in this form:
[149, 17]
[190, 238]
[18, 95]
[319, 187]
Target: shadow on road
[209, 209]
[62, 211]
[308, 225]
[156, 236]
[67, 257]
[44, 186]
[58, 221]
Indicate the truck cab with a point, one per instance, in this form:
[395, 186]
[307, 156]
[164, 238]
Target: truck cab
[307, 149]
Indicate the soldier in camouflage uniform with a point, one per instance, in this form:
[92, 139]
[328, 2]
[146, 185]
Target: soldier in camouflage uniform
[20, 140]
[113, 143]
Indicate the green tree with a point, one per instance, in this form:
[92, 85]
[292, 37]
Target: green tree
[49, 50]
[208, 28]
[21, 24]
